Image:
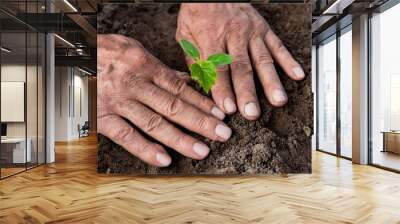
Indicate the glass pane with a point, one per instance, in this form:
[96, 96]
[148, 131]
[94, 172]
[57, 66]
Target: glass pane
[346, 93]
[32, 87]
[385, 84]
[327, 96]
[31, 98]
[13, 87]
[41, 98]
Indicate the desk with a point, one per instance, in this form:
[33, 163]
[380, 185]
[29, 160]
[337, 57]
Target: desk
[16, 147]
[391, 141]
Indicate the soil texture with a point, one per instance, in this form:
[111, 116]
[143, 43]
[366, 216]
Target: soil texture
[279, 142]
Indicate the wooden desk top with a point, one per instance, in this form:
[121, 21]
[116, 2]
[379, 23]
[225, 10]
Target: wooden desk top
[391, 132]
[13, 140]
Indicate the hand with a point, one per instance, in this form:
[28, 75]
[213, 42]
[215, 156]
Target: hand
[238, 29]
[134, 86]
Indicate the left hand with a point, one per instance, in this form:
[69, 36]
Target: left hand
[238, 29]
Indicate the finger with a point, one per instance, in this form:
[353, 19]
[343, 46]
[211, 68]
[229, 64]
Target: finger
[182, 113]
[160, 129]
[242, 78]
[169, 81]
[115, 128]
[222, 91]
[266, 72]
[283, 57]
[184, 76]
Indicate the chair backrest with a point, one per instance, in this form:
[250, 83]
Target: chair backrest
[86, 125]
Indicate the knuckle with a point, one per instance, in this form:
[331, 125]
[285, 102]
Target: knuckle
[212, 47]
[123, 134]
[141, 58]
[239, 23]
[264, 59]
[177, 141]
[241, 65]
[154, 122]
[223, 69]
[177, 86]
[174, 106]
[131, 80]
[203, 123]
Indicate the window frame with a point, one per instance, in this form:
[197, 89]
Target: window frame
[338, 33]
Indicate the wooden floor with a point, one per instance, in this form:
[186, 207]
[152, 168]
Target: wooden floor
[5, 172]
[387, 159]
[70, 191]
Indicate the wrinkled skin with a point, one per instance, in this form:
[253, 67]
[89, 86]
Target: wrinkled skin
[135, 87]
[238, 29]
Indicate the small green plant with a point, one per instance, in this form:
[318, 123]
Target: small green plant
[204, 71]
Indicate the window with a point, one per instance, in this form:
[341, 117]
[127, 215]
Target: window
[346, 75]
[22, 77]
[334, 106]
[385, 89]
[327, 95]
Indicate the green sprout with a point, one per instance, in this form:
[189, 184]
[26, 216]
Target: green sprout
[204, 71]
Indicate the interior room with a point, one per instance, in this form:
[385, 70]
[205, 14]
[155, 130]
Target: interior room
[333, 55]
[43, 84]
[48, 150]
[385, 87]
[22, 99]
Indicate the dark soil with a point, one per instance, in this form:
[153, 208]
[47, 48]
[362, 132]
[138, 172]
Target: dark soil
[279, 142]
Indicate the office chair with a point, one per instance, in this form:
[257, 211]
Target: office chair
[84, 130]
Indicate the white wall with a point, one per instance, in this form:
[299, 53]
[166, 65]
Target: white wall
[70, 83]
[12, 73]
[61, 103]
[33, 126]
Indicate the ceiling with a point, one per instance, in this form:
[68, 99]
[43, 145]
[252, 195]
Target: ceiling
[75, 22]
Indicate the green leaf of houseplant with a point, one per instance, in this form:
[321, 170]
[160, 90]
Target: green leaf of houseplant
[205, 74]
[220, 59]
[190, 49]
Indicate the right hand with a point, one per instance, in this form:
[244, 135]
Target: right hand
[134, 86]
[238, 29]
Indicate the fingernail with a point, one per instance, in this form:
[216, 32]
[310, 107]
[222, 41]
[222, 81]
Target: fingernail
[163, 159]
[217, 113]
[250, 109]
[279, 96]
[223, 131]
[201, 149]
[229, 105]
[298, 72]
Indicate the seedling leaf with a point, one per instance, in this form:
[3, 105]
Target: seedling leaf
[205, 74]
[190, 49]
[220, 59]
[204, 71]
